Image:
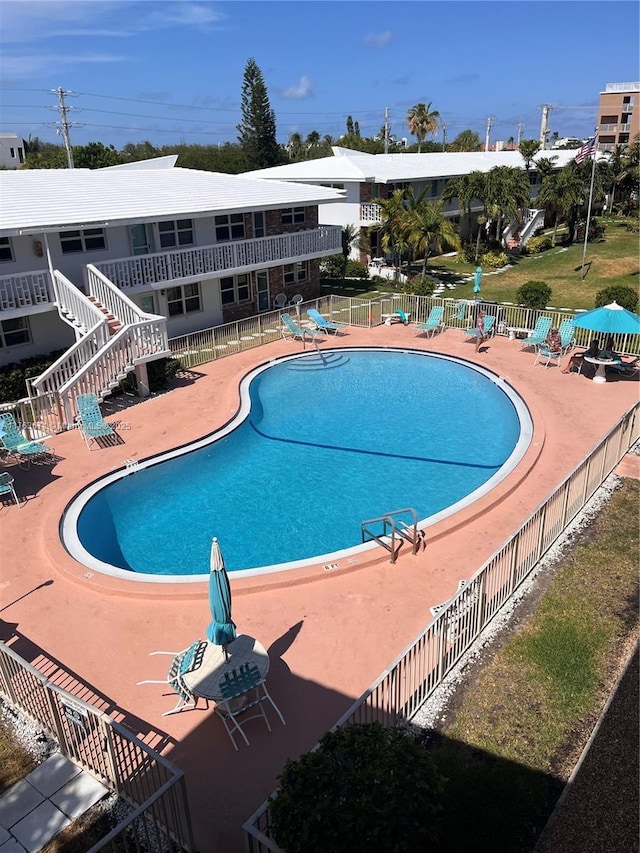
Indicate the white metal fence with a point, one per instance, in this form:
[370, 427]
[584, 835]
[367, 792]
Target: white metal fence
[153, 786]
[406, 684]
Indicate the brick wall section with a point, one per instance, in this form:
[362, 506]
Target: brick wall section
[309, 289]
[273, 219]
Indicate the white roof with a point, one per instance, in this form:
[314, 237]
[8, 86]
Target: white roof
[347, 165]
[36, 200]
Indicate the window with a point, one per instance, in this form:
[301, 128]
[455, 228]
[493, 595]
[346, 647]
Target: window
[6, 249]
[293, 216]
[235, 288]
[183, 300]
[608, 119]
[87, 240]
[178, 233]
[333, 186]
[229, 227]
[14, 332]
[258, 224]
[295, 273]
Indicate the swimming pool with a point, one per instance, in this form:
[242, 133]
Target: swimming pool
[321, 443]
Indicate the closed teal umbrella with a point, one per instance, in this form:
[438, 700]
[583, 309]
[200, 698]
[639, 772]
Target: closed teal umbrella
[221, 630]
[477, 280]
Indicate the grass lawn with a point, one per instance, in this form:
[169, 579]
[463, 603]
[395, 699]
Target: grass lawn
[521, 723]
[612, 261]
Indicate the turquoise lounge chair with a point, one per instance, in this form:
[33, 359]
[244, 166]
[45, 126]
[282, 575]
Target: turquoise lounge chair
[539, 335]
[294, 330]
[487, 324]
[323, 324]
[567, 339]
[90, 420]
[13, 442]
[433, 322]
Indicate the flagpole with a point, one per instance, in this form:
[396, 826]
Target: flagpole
[586, 230]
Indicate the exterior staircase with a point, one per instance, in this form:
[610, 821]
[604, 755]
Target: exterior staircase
[517, 234]
[114, 338]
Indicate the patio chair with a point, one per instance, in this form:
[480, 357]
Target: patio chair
[567, 339]
[488, 324]
[92, 425]
[460, 313]
[280, 300]
[13, 442]
[539, 334]
[6, 486]
[183, 662]
[323, 324]
[544, 352]
[433, 322]
[243, 689]
[293, 329]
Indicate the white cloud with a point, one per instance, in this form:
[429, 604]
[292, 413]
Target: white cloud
[30, 65]
[34, 20]
[303, 89]
[378, 39]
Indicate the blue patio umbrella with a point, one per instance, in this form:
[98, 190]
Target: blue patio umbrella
[477, 280]
[610, 319]
[221, 630]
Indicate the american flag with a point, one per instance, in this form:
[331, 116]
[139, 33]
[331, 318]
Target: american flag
[587, 150]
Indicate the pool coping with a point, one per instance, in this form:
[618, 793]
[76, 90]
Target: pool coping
[343, 560]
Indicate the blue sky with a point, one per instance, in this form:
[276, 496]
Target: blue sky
[172, 71]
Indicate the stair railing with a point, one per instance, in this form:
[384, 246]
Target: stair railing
[73, 306]
[114, 300]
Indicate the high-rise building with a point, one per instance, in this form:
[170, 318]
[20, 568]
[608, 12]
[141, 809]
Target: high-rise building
[618, 115]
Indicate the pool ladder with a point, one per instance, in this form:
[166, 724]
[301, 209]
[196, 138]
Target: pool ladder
[394, 531]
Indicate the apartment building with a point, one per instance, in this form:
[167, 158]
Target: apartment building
[111, 263]
[365, 177]
[12, 150]
[618, 115]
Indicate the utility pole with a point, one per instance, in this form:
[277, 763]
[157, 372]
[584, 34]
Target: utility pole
[386, 130]
[520, 129]
[490, 121]
[444, 136]
[586, 227]
[544, 125]
[65, 125]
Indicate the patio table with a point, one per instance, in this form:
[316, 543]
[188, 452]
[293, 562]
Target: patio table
[518, 332]
[600, 374]
[204, 681]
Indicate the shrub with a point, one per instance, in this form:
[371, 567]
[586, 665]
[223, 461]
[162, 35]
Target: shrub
[331, 266]
[420, 285]
[538, 244]
[13, 376]
[534, 294]
[494, 259]
[161, 372]
[356, 270]
[365, 788]
[625, 296]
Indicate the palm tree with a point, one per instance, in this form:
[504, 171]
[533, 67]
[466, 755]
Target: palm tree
[528, 149]
[421, 121]
[563, 193]
[463, 188]
[428, 228]
[509, 192]
[392, 225]
[350, 234]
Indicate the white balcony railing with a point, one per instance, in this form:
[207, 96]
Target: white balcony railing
[608, 128]
[25, 290]
[74, 307]
[164, 267]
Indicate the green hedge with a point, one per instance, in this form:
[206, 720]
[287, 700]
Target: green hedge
[13, 385]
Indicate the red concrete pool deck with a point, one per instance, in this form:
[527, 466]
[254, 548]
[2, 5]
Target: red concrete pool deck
[329, 633]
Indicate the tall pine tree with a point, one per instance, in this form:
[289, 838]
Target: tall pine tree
[258, 127]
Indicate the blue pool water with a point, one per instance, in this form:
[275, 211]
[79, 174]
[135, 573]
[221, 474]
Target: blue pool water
[329, 441]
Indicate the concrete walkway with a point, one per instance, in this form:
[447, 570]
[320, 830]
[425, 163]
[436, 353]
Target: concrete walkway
[44, 802]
